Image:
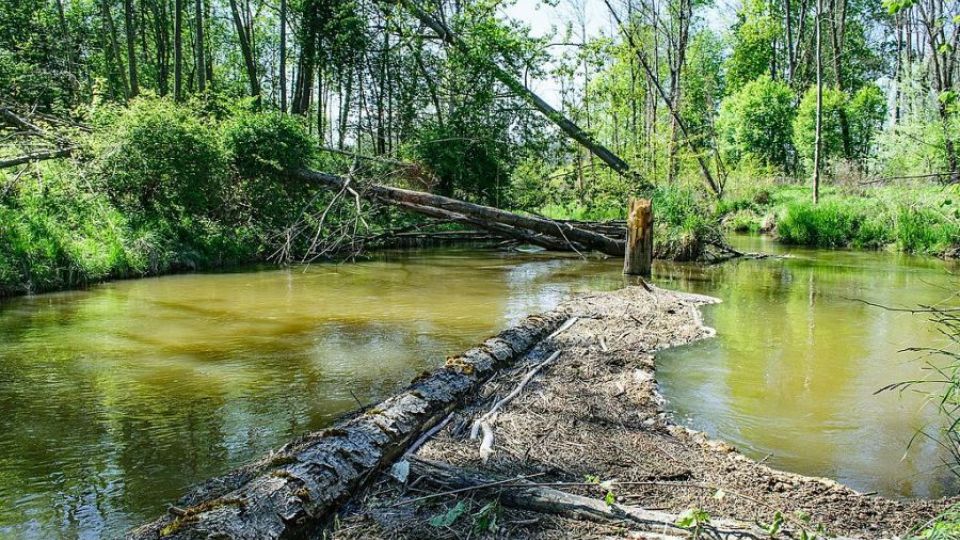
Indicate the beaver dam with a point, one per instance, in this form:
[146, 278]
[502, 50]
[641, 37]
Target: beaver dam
[178, 379]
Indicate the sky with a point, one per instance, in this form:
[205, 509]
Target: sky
[543, 19]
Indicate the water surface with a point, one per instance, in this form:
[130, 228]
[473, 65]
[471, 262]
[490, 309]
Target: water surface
[791, 376]
[115, 399]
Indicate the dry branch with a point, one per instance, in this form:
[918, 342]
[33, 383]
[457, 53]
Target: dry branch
[527, 496]
[36, 156]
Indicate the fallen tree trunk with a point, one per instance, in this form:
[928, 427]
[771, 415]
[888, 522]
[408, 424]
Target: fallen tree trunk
[36, 156]
[515, 85]
[547, 233]
[292, 492]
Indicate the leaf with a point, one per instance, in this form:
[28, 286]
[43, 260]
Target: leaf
[450, 517]
[687, 519]
[610, 498]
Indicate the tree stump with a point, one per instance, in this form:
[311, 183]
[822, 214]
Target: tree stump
[639, 248]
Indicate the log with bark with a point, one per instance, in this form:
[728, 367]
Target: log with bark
[536, 230]
[291, 493]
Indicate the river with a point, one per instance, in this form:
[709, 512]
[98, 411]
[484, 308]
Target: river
[115, 399]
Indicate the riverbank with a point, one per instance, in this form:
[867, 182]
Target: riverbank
[591, 424]
[913, 217]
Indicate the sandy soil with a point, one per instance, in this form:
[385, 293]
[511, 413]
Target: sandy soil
[594, 415]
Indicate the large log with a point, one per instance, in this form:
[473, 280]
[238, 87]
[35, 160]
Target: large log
[563, 235]
[292, 492]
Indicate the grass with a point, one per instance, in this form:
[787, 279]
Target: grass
[685, 220]
[914, 218]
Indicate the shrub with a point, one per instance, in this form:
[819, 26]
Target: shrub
[266, 144]
[157, 159]
[924, 230]
[804, 126]
[756, 123]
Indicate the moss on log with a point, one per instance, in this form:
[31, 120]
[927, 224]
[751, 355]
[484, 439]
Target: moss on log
[293, 491]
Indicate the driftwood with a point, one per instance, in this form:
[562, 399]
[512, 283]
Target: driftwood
[526, 495]
[292, 492]
[547, 233]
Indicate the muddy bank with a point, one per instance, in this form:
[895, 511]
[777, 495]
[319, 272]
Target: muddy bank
[592, 424]
[580, 445]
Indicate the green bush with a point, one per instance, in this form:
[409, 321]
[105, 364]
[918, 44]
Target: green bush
[804, 126]
[267, 144]
[755, 124]
[157, 159]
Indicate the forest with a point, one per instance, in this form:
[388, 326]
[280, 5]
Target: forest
[282, 162]
[828, 123]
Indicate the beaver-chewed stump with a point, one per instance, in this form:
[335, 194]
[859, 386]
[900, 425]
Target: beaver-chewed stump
[551, 429]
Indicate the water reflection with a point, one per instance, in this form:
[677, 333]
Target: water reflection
[114, 400]
[792, 374]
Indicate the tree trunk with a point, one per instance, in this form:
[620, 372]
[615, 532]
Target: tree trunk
[292, 491]
[245, 34]
[131, 47]
[283, 58]
[200, 55]
[178, 50]
[114, 50]
[639, 247]
[564, 233]
[819, 120]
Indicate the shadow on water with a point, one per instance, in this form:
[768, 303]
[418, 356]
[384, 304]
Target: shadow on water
[115, 399]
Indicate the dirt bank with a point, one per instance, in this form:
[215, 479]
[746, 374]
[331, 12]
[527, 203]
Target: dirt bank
[592, 424]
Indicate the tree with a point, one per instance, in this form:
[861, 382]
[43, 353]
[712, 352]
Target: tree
[757, 123]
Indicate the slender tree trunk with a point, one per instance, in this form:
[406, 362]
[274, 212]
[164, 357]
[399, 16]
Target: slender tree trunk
[178, 50]
[788, 19]
[200, 55]
[114, 50]
[131, 47]
[283, 57]
[819, 113]
[245, 34]
[837, 28]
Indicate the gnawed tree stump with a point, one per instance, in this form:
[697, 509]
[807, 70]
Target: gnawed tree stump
[294, 490]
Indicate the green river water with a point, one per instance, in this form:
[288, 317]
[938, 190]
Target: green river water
[116, 399]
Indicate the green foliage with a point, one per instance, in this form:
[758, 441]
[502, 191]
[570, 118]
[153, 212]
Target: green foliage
[754, 36]
[470, 159]
[449, 517]
[756, 123]
[866, 111]
[262, 148]
[834, 224]
[267, 144]
[831, 136]
[157, 160]
[945, 527]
